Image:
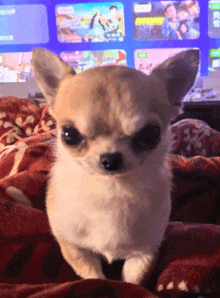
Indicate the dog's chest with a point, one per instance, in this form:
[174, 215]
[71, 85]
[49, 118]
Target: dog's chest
[105, 216]
[102, 213]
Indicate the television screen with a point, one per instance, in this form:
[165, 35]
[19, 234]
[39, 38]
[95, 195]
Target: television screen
[140, 34]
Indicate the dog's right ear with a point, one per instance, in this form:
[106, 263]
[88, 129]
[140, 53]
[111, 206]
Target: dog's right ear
[49, 70]
[179, 73]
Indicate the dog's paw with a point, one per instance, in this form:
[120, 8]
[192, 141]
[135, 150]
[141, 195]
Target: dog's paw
[135, 269]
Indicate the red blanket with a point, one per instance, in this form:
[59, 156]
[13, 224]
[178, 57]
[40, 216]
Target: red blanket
[31, 264]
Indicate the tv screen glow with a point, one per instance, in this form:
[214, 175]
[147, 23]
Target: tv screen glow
[86, 34]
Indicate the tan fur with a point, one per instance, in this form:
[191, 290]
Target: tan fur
[120, 213]
[50, 196]
[81, 260]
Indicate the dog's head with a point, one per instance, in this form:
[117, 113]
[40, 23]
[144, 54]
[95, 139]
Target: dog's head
[113, 119]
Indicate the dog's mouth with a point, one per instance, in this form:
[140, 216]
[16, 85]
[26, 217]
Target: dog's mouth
[117, 173]
[126, 170]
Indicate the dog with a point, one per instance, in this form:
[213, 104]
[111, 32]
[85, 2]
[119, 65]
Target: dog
[109, 189]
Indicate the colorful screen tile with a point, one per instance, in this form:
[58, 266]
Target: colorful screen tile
[214, 19]
[80, 61]
[15, 67]
[214, 59]
[147, 59]
[166, 20]
[90, 22]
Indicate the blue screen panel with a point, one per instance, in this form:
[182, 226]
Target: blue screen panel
[23, 24]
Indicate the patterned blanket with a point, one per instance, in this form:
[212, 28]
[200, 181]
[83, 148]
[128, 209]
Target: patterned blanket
[31, 264]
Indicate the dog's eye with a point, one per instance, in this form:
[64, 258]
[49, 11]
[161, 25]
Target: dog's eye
[71, 136]
[146, 139]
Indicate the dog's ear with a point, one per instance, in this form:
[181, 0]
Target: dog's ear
[178, 73]
[49, 70]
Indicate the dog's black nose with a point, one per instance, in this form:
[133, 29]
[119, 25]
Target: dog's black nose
[111, 161]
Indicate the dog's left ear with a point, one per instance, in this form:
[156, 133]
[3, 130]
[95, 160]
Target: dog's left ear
[178, 73]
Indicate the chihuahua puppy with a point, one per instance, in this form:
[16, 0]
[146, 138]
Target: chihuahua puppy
[109, 189]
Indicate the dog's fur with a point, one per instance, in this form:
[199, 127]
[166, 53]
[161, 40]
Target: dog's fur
[119, 212]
